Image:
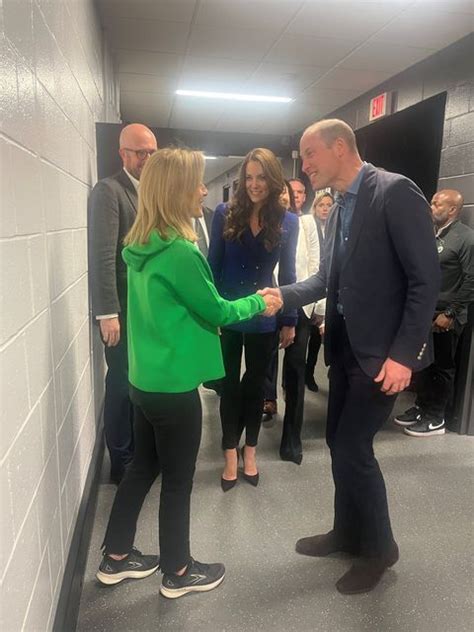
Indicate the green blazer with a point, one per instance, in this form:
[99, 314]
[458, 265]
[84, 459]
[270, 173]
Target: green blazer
[174, 312]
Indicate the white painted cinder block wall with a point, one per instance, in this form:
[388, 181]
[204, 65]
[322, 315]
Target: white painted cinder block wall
[56, 82]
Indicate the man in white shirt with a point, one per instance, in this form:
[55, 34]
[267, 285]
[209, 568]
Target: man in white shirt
[112, 210]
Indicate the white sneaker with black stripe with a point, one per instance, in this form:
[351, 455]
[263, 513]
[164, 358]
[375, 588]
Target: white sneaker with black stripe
[427, 427]
[198, 577]
[134, 566]
[409, 417]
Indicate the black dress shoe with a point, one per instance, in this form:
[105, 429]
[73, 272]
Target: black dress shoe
[250, 478]
[323, 545]
[365, 574]
[292, 458]
[311, 384]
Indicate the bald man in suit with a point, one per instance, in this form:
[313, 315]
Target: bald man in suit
[112, 210]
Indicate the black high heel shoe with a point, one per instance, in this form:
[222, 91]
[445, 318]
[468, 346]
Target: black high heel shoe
[250, 478]
[226, 485]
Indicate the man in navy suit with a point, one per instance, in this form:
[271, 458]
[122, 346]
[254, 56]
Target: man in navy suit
[380, 273]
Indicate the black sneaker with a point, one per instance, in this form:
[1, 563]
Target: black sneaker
[198, 577]
[426, 427]
[409, 417]
[134, 566]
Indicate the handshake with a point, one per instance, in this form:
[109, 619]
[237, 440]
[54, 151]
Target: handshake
[273, 300]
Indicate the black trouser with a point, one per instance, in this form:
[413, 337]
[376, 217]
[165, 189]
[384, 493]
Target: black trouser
[271, 376]
[314, 346]
[294, 379]
[167, 438]
[242, 401]
[118, 409]
[356, 411]
[435, 383]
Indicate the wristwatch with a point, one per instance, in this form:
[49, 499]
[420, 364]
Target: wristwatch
[450, 313]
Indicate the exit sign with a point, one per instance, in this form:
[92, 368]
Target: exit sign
[380, 106]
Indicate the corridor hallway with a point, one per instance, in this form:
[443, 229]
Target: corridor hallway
[268, 587]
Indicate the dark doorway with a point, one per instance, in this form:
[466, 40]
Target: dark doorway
[408, 142]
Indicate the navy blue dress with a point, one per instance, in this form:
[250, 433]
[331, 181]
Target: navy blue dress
[242, 267]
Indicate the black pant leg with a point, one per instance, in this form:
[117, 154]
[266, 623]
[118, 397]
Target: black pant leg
[294, 378]
[357, 475]
[178, 436]
[134, 487]
[314, 346]
[230, 403]
[271, 376]
[258, 349]
[118, 409]
[435, 383]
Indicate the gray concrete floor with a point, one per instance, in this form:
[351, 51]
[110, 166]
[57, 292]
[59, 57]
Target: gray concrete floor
[268, 587]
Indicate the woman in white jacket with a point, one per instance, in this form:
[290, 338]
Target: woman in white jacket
[294, 363]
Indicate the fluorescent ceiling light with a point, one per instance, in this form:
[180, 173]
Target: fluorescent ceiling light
[229, 96]
[210, 157]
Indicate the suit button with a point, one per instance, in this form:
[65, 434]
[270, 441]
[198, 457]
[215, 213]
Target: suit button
[257, 268]
[255, 284]
[241, 283]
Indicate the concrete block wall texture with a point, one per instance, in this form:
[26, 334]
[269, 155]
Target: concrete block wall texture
[57, 80]
[451, 71]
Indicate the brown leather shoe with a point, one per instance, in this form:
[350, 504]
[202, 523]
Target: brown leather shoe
[270, 407]
[322, 545]
[365, 574]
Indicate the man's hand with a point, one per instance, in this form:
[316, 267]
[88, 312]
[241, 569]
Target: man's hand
[110, 331]
[271, 291]
[287, 337]
[273, 303]
[394, 377]
[442, 323]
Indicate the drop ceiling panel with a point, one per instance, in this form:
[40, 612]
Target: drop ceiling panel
[214, 68]
[328, 97]
[130, 82]
[381, 56]
[170, 10]
[351, 80]
[245, 14]
[350, 20]
[143, 107]
[230, 43]
[194, 113]
[286, 79]
[323, 52]
[429, 30]
[148, 35]
[139, 62]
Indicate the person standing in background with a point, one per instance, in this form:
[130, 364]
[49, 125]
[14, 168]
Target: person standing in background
[249, 237]
[112, 209]
[299, 194]
[434, 385]
[320, 210]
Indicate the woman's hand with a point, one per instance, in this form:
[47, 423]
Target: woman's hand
[287, 337]
[273, 303]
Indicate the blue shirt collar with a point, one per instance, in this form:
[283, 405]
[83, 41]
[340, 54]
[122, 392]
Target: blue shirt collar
[354, 186]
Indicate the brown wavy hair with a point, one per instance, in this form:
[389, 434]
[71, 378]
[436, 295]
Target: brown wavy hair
[241, 206]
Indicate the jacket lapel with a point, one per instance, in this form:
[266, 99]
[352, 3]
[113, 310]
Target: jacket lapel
[362, 206]
[128, 188]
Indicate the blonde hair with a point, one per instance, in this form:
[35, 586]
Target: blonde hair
[318, 198]
[167, 194]
[332, 129]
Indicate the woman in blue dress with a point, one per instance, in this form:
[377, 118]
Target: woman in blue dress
[248, 238]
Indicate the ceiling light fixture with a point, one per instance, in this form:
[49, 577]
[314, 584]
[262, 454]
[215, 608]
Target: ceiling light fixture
[210, 157]
[230, 96]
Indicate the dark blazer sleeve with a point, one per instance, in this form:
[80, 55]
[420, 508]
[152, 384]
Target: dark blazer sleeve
[411, 231]
[103, 227]
[215, 256]
[287, 270]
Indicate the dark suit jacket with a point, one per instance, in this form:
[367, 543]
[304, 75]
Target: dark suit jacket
[112, 209]
[208, 215]
[389, 277]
